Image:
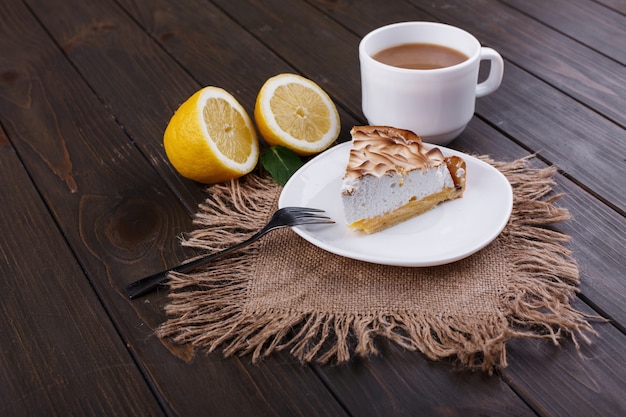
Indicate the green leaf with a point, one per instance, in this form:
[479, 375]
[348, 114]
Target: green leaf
[280, 162]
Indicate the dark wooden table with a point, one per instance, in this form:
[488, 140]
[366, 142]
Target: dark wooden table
[90, 203]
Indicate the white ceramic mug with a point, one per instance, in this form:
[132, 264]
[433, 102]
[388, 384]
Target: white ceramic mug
[436, 104]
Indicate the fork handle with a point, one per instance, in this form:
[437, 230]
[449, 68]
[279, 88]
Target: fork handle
[147, 284]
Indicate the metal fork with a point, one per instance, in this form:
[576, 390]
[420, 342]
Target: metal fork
[287, 216]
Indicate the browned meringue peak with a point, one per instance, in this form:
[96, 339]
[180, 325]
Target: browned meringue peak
[377, 150]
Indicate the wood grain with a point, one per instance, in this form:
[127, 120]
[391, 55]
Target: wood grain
[603, 31]
[141, 90]
[60, 355]
[617, 5]
[400, 383]
[594, 375]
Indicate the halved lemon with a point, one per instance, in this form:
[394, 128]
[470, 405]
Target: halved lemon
[211, 138]
[296, 113]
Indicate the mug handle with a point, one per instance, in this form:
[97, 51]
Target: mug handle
[496, 71]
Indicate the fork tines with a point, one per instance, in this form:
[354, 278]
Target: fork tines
[306, 215]
[301, 209]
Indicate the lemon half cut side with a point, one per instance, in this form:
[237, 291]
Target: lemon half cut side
[295, 112]
[211, 138]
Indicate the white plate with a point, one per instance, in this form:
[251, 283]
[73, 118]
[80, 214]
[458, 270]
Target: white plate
[451, 231]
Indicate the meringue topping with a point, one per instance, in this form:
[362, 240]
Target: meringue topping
[377, 150]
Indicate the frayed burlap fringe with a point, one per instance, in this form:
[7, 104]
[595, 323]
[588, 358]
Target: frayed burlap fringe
[212, 308]
[537, 300]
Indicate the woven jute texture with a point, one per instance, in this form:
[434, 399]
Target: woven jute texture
[283, 293]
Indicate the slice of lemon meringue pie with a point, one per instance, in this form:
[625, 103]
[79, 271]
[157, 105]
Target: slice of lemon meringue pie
[392, 176]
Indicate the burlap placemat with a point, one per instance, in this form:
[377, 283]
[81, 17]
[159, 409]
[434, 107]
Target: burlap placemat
[282, 293]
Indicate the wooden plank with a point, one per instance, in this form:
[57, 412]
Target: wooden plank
[118, 214]
[559, 129]
[616, 5]
[585, 382]
[143, 93]
[112, 206]
[60, 354]
[604, 30]
[400, 383]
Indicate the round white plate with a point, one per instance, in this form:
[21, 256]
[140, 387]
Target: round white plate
[449, 232]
